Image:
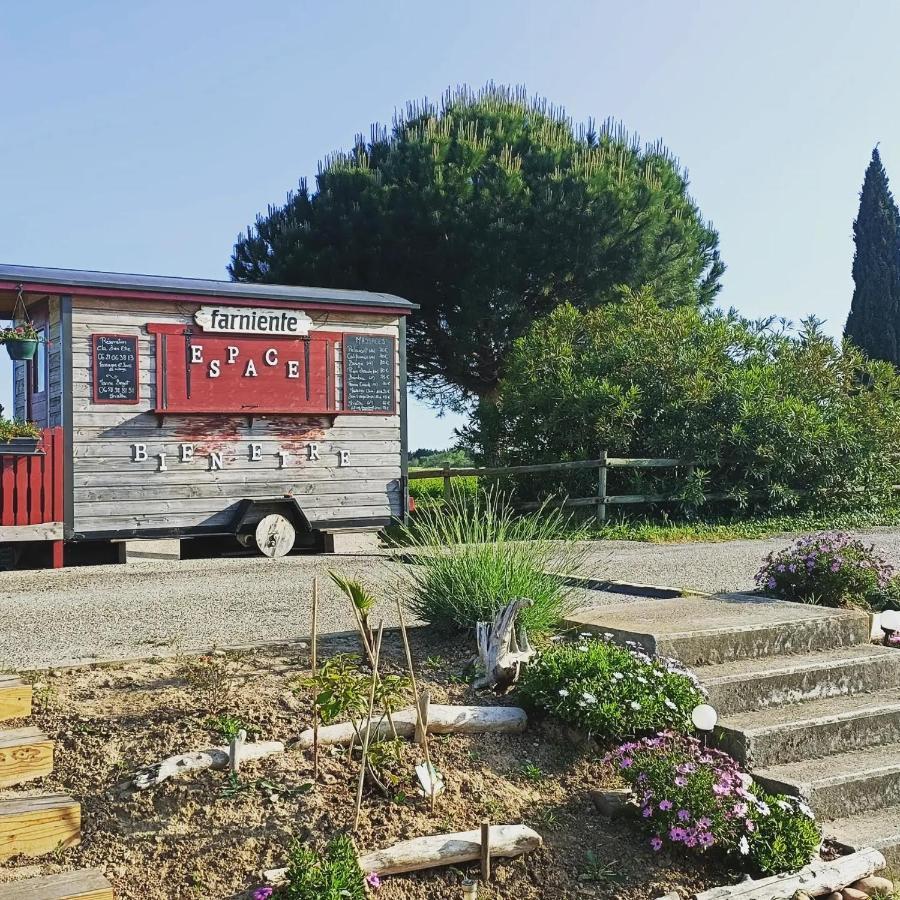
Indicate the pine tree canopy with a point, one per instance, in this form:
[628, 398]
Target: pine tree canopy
[488, 210]
[874, 320]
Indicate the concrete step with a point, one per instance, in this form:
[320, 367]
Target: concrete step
[833, 786]
[879, 829]
[783, 734]
[709, 630]
[779, 680]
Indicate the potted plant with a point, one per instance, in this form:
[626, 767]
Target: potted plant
[17, 436]
[21, 340]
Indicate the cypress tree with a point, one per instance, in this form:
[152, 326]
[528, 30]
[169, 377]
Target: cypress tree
[874, 320]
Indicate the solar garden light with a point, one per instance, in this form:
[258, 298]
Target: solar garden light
[704, 718]
[889, 621]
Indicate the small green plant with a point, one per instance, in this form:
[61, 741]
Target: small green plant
[830, 569]
[212, 678]
[24, 332]
[362, 600]
[546, 818]
[475, 554]
[612, 692]
[13, 428]
[532, 772]
[227, 726]
[598, 872]
[332, 874]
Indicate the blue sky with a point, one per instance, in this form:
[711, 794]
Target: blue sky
[142, 137]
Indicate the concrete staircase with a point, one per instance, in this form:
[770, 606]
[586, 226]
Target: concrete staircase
[805, 701]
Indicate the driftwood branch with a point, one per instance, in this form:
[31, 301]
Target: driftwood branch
[501, 652]
[212, 758]
[441, 720]
[440, 850]
[816, 879]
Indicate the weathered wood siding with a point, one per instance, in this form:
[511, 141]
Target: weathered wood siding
[114, 493]
[46, 408]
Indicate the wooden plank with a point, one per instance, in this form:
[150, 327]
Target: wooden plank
[20, 511]
[612, 462]
[187, 474]
[84, 884]
[15, 698]
[200, 463]
[33, 826]
[35, 483]
[25, 753]
[45, 531]
[164, 490]
[8, 488]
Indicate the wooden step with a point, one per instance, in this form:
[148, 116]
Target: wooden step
[15, 698]
[25, 753]
[37, 825]
[85, 884]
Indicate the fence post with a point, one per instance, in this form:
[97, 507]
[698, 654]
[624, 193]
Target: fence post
[448, 493]
[601, 489]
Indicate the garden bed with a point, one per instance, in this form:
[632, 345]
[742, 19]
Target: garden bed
[202, 835]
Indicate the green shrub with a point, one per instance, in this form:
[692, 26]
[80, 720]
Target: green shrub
[333, 874]
[609, 691]
[423, 490]
[12, 428]
[699, 799]
[474, 555]
[830, 569]
[777, 420]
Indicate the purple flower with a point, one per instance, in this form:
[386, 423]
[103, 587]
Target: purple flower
[677, 833]
[665, 805]
[656, 844]
[263, 893]
[625, 762]
[704, 823]
[372, 880]
[706, 839]
[647, 811]
[683, 815]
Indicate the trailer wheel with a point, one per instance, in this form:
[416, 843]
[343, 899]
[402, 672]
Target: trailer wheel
[275, 535]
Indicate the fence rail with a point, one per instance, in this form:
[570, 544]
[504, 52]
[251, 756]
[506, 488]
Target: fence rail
[31, 484]
[602, 464]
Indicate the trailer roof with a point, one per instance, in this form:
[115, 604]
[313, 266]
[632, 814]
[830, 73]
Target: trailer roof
[31, 276]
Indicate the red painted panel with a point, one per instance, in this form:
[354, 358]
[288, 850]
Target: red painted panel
[8, 485]
[35, 478]
[54, 439]
[21, 505]
[237, 373]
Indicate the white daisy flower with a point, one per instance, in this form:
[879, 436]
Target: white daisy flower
[744, 846]
[563, 692]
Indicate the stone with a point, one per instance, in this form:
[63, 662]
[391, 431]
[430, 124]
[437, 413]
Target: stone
[873, 884]
[835, 896]
[149, 550]
[801, 895]
[850, 893]
[611, 803]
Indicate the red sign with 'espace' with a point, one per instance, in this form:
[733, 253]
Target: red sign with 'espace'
[237, 373]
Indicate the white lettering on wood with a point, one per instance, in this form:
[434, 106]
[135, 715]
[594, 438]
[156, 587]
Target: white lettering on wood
[213, 368]
[250, 371]
[293, 369]
[162, 462]
[255, 452]
[196, 353]
[271, 357]
[138, 452]
[312, 451]
[186, 452]
[283, 457]
[232, 352]
[215, 460]
[343, 457]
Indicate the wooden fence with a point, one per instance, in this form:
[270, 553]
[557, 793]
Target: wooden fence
[31, 484]
[601, 500]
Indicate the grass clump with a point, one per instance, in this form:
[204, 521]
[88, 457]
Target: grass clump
[333, 874]
[612, 692]
[474, 555]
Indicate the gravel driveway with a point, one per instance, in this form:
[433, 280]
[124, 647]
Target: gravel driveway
[80, 614]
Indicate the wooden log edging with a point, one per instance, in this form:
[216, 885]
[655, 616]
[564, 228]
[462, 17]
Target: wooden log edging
[816, 879]
[441, 720]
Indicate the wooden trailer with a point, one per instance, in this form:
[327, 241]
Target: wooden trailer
[173, 408]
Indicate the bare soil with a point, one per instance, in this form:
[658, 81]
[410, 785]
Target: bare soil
[201, 836]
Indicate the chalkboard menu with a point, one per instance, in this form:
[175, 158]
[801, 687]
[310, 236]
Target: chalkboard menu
[368, 373]
[116, 368]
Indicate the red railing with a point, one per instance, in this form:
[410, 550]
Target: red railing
[31, 485]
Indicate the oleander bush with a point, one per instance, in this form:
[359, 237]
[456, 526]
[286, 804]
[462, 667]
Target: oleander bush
[612, 692]
[475, 554]
[830, 569]
[699, 799]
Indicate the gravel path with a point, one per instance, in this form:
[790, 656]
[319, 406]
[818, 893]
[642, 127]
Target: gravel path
[724, 566]
[80, 614]
[90, 613]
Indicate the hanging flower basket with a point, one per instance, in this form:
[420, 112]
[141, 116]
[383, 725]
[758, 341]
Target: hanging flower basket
[21, 341]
